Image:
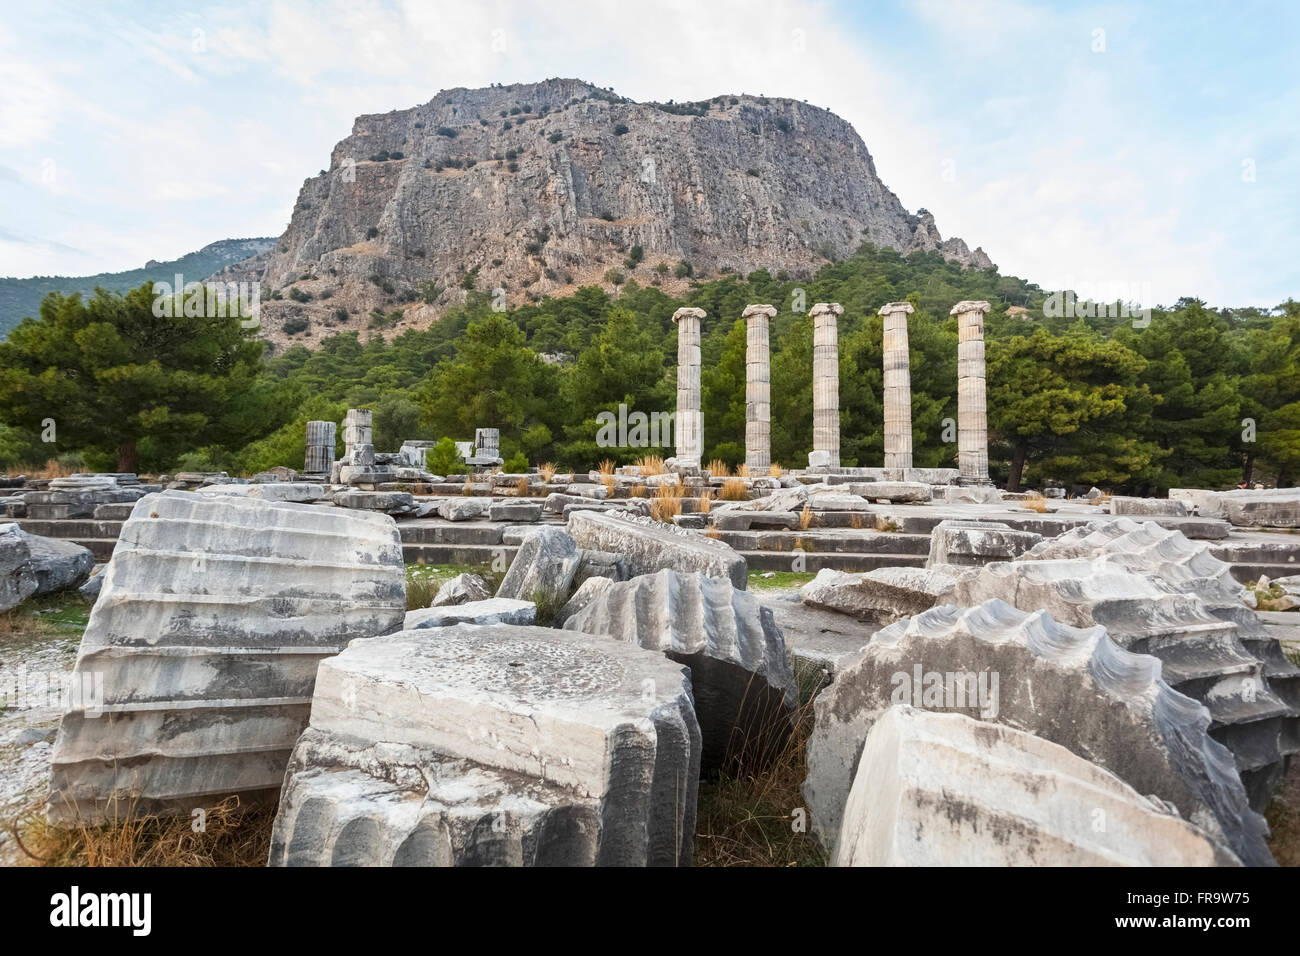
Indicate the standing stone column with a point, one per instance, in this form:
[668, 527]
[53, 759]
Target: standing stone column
[689, 424]
[826, 385]
[320, 448]
[972, 404]
[758, 390]
[898, 386]
[356, 429]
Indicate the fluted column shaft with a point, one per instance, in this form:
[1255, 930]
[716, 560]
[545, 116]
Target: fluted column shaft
[758, 389]
[320, 448]
[689, 425]
[898, 386]
[972, 402]
[826, 382]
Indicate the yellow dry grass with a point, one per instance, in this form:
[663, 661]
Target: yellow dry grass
[547, 471]
[638, 490]
[805, 518]
[522, 487]
[706, 501]
[775, 470]
[650, 465]
[734, 489]
[718, 468]
[667, 502]
[232, 834]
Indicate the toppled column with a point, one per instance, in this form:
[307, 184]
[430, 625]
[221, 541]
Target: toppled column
[356, 430]
[320, 448]
[740, 667]
[200, 656]
[501, 745]
[758, 390]
[937, 789]
[972, 404]
[690, 424]
[1072, 686]
[898, 386]
[826, 385]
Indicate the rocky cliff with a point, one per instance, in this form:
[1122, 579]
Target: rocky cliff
[535, 189]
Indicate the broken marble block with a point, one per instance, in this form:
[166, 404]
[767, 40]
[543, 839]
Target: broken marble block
[745, 693]
[389, 502]
[464, 508]
[506, 746]
[542, 569]
[1071, 686]
[213, 616]
[1159, 593]
[58, 565]
[651, 546]
[462, 589]
[602, 564]
[882, 593]
[977, 542]
[515, 511]
[895, 492]
[17, 582]
[935, 789]
[583, 594]
[489, 611]
[1166, 507]
[273, 491]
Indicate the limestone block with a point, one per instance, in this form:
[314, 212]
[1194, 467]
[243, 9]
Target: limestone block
[204, 643]
[464, 508]
[17, 581]
[57, 565]
[389, 502]
[583, 594]
[500, 745]
[515, 511]
[543, 568]
[302, 491]
[602, 564]
[977, 542]
[1071, 686]
[653, 546]
[740, 667]
[902, 591]
[489, 611]
[892, 491]
[935, 789]
[461, 589]
[1121, 505]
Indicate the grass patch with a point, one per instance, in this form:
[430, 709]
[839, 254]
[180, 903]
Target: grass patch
[63, 614]
[233, 834]
[779, 579]
[424, 580]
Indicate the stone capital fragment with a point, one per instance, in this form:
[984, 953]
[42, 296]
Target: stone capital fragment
[967, 306]
[890, 307]
[688, 313]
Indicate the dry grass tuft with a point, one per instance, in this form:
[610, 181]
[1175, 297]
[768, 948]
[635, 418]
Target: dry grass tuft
[468, 488]
[706, 501]
[1036, 503]
[805, 518]
[734, 489]
[547, 471]
[718, 468]
[609, 483]
[233, 834]
[743, 471]
[855, 521]
[667, 502]
[753, 813]
[650, 465]
[51, 469]
[775, 470]
[712, 533]
[606, 468]
[638, 490]
[522, 487]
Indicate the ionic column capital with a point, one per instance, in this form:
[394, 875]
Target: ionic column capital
[970, 306]
[826, 308]
[890, 307]
[752, 311]
[688, 313]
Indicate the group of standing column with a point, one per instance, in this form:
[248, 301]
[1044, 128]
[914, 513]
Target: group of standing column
[972, 413]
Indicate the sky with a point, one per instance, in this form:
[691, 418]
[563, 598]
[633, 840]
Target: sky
[1149, 148]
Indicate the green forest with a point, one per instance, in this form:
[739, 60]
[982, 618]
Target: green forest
[1201, 396]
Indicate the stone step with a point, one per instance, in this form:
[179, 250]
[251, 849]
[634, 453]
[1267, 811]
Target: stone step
[838, 560]
[820, 541]
[71, 528]
[456, 553]
[442, 532]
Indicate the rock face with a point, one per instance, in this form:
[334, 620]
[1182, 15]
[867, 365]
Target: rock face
[17, 582]
[1071, 686]
[653, 546]
[493, 746]
[213, 616]
[1158, 593]
[945, 790]
[740, 667]
[551, 183]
